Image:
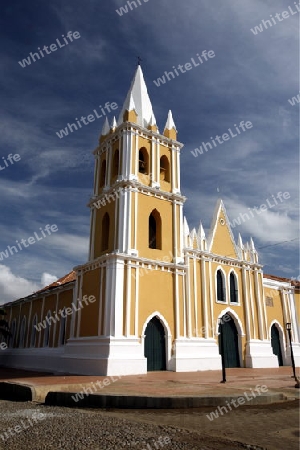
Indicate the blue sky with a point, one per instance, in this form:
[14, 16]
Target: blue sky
[251, 78]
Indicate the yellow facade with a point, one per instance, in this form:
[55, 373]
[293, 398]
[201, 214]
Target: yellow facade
[151, 284]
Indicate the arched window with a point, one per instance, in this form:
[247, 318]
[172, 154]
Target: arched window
[164, 169]
[47, 330]
[233, 288]
[105, 232]
[115, 165]
[155, 230]
[33, 332]
[143, 160]
[13, 333]
[103, 173]
[22, 333]
[221, 297]
[62, 331]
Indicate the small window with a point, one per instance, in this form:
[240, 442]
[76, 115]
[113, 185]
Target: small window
[233, 288]
[155, 230]
[164, 169]
[105, 232]
[143, 161]
[103, 173]
[220, 287]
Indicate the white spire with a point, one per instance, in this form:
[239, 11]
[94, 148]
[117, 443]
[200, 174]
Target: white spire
[152, 120]
[114, 123]
[170, 122]
[138, 99]
[106, 128]
[201, 232]
[131, 104]
[252, 246]
[240, 242]
[186, 230]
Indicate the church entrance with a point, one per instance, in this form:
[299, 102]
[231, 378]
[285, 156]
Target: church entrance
[230, 343]
[155, 346]
[275, 342]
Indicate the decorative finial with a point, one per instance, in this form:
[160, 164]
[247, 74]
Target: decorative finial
[139, 60]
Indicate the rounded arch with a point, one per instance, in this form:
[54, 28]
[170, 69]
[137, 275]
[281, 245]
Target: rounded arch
[280, 329]
[164, 169]
[22, 333]
[33, 331]
[236, 319]
[156, 340]
[220, 285]
[62, 328]
[155, 230]
[143, 160]
[276, 336]
[233, 283]
[47, 331]
[163, 321]
[13, 333]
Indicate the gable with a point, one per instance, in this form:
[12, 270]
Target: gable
[221, 237]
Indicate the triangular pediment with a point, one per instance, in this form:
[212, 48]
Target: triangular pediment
[221, 239]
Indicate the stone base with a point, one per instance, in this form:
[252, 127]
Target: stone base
[191, 355]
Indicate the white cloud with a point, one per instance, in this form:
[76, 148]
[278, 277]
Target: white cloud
[13, 287]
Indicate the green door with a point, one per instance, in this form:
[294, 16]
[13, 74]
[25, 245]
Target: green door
[155, 347]
[230, 343]
[275, 342]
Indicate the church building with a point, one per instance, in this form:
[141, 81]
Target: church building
[153, 294]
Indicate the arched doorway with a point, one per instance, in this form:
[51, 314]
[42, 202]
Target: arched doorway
[230, 342]
[275, 342]
[155, 346]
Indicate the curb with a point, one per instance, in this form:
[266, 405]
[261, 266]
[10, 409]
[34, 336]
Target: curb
[16, 392]
[140, 402]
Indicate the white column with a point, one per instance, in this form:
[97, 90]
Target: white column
[259, 308]
[294, 318]
[204, 297]
[245, 300]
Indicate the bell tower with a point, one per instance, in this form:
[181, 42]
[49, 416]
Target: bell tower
[135, 268]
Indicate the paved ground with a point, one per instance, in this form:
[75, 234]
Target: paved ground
[37, 427]
[160, 383]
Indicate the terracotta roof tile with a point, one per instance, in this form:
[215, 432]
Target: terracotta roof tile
[60, 282]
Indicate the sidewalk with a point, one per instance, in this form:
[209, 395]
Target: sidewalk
[153, 390]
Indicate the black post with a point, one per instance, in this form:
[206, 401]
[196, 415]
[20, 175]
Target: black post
[292, 353]
[222, 352]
